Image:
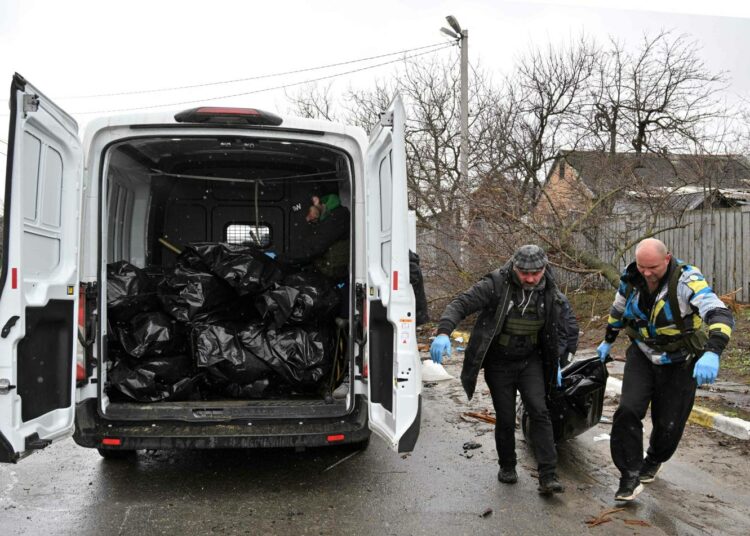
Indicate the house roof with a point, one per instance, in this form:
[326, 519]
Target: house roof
[602, 172]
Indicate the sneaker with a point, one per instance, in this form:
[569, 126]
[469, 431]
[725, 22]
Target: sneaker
[507, 476]
[629, 489]
[549, 484]
[648, 471]
[342, 390]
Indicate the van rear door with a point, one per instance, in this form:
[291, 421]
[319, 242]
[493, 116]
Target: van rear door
[395, 384]
[39, 279]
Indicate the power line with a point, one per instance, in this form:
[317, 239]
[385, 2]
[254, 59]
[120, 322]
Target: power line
[3, 141]
[259, 77]
[264, 89]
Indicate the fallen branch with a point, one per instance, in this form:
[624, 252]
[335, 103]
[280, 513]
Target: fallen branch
[603, 517]
[637, 522]
[486, 417]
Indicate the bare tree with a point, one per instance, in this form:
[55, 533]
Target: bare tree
[670, 93]
[544, 93]
[313, 101]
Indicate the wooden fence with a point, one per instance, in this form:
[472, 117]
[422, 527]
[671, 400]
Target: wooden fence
[716, 241]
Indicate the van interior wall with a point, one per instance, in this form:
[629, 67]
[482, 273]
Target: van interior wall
[149, 209]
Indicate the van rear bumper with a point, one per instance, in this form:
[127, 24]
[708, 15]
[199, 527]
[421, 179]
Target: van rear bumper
[91, 429]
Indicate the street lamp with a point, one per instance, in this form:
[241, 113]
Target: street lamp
[463, 40]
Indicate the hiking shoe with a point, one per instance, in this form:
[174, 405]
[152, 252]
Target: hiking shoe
[507, 476]
[629, 488]
[549, 484]
[648, 471]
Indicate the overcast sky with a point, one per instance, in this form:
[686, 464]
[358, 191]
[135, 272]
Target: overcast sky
[90, 47]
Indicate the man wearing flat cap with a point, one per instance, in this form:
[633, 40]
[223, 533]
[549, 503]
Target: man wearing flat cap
[517, 340]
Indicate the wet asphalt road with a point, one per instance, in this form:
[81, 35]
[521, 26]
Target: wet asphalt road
[436, 490]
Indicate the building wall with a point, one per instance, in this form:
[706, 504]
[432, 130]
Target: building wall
[568, 194]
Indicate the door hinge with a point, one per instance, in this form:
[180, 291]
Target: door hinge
[386, 119]
[30, 103]
[5, 386]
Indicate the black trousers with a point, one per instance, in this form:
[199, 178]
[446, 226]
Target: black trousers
[504, 378]
[670, 389]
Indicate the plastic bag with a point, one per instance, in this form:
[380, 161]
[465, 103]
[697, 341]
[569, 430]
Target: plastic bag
[434, 372]
[152, 334]
[245, 268]
[318, 300]
[191, 295]
[220, 350]
[276, 306]
[129, 291]
[153, 380]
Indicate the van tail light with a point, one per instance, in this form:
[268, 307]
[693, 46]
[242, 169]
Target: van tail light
[335, 438]
[111, 441]
[227, 116]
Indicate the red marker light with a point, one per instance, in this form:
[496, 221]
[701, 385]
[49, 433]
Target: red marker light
[336, 437]
[112, 441]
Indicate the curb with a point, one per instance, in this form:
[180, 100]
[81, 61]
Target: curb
[732, 426]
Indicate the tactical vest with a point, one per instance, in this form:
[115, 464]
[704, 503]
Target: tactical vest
[520, 332]
[655, 330]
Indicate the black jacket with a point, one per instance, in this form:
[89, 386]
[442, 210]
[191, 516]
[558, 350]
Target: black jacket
[491, 297]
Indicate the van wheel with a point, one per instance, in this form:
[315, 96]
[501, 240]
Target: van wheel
[115, 454]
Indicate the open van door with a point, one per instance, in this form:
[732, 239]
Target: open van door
[39, 279]
[395, 384]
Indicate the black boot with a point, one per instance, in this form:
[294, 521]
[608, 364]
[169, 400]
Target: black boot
[549, 484]
[507, 475]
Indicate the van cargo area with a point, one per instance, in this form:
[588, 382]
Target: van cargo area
[227, 272]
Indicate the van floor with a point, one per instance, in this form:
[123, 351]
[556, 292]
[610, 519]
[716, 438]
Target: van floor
[293, 407]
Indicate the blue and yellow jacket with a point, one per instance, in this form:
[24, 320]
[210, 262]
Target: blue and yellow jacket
[651, 322]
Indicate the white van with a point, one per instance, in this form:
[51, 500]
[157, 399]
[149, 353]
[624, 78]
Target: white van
[73, 206]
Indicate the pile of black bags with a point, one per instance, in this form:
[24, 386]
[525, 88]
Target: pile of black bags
[225, 321]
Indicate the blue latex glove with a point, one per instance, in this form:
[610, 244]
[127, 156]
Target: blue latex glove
[603, 350]
[442, 343]
[559, 377]
[706, 368]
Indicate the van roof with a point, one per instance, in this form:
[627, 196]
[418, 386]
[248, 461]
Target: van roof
[167, 118]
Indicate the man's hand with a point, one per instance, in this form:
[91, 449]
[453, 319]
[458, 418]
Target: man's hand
[603, 350]
[706, 368]
[442, 343]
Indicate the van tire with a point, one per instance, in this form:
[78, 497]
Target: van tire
[115, 454]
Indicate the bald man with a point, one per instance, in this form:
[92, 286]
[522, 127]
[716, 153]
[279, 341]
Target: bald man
[663, 305]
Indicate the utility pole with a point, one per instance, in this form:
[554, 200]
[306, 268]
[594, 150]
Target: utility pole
[463, 40]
